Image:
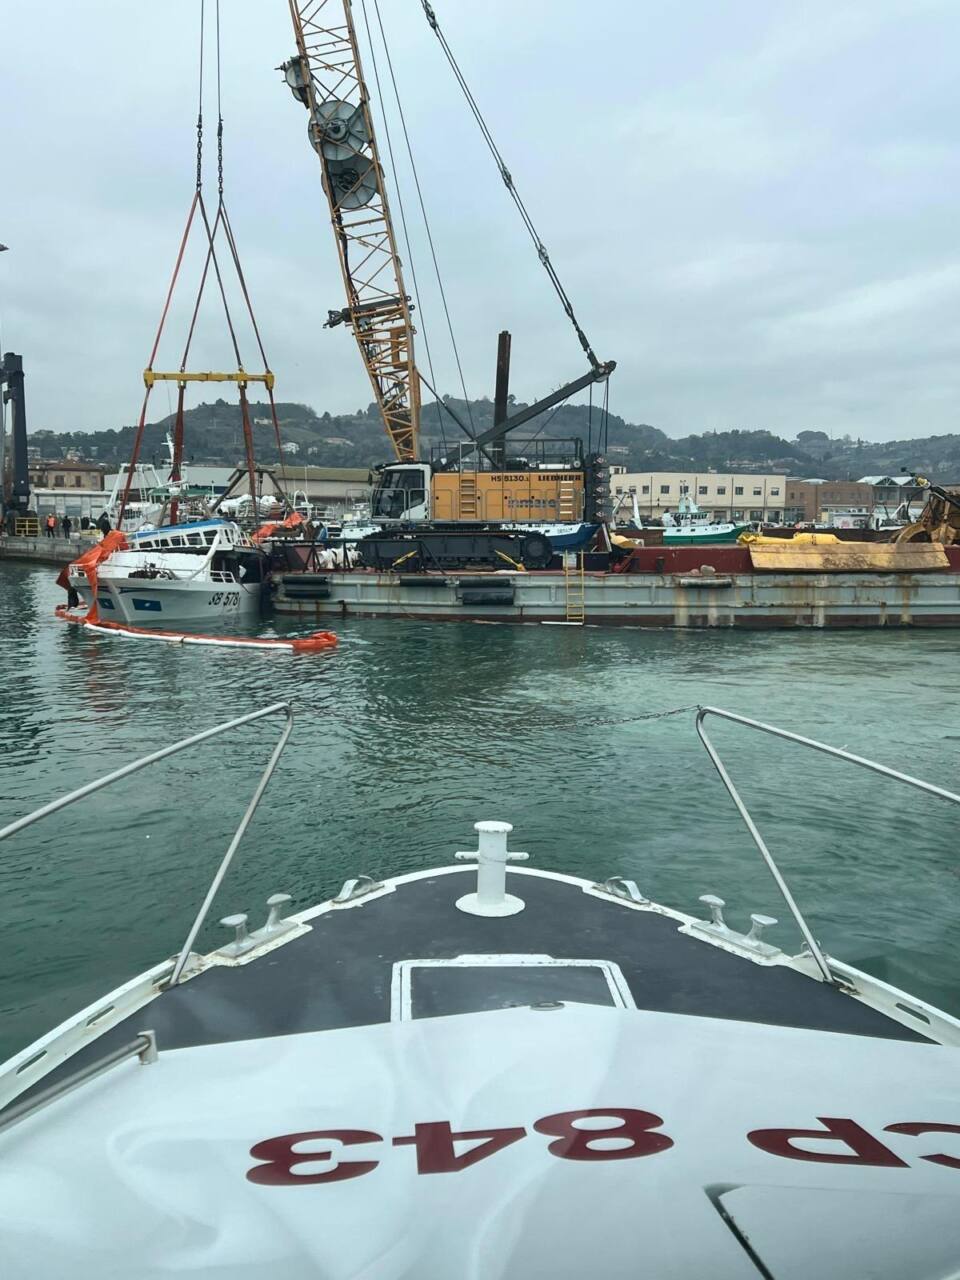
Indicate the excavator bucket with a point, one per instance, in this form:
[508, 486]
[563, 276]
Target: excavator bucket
[825, 553]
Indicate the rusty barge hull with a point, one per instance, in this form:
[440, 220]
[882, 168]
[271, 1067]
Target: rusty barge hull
[686, 600]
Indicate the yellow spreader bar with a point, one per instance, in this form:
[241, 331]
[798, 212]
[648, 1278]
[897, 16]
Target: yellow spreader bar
[241, 377]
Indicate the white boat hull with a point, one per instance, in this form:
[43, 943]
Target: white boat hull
[139, 601]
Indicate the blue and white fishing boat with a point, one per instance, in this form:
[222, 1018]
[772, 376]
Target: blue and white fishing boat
[563, 537]
[203, 570]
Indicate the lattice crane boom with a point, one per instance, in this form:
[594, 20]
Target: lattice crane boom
[327, 77]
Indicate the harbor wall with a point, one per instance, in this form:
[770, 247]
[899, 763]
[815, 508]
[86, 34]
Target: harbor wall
[750, 601]
[43, 550]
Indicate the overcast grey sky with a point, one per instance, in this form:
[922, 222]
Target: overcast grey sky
[752, 203]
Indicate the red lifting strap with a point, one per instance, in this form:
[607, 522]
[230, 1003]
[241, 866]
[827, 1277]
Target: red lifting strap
[221, 221]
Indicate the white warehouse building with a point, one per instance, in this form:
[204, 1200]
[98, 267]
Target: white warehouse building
[724, 496]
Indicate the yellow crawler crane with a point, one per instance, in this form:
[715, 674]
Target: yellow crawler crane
[473, 484]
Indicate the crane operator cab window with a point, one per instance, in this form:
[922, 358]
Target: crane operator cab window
[399, 492]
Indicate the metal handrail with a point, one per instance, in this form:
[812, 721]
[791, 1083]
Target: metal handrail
[837, 752]
[143, 1047]
[124, 772]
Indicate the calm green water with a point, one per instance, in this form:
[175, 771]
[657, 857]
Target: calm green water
[410, 732]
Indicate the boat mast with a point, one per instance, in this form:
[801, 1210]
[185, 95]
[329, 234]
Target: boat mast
[326, 76]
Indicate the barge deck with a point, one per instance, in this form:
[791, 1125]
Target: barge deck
[685, 588]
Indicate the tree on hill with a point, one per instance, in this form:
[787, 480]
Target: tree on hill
[213, 433]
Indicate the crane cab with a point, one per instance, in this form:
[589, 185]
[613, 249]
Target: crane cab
[403, 492]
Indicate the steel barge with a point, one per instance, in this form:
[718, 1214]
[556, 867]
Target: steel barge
[661, 587]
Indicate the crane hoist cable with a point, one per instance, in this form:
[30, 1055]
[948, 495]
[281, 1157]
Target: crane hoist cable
[422, 203]
[221, 223]
[509, 183]
[403, 222]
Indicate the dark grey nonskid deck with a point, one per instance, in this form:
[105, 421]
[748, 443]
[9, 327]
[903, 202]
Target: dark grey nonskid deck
[340, 973]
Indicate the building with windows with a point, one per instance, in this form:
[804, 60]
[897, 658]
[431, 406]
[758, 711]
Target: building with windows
[73, 502]
[890, 492]
[65, 473]
[724, 496]
[820, 501]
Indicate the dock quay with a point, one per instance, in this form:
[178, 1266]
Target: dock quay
[43, 550]
[666, 587]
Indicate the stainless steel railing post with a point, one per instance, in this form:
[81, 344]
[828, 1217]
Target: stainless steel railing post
[232, 848]
[135, 765]
[837, 753]
[55, 805]
[765, 853]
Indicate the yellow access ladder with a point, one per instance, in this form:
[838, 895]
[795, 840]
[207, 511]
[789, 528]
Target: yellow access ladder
[574, 582]
[567, 502]
[468, 495]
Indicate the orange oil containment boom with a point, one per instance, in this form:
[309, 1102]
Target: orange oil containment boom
[318, 642]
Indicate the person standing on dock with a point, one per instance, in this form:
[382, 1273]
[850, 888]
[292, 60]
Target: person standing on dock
[51, 526]
[103, 523]
[66, 525]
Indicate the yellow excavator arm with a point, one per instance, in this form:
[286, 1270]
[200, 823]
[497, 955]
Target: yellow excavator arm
[939, 520]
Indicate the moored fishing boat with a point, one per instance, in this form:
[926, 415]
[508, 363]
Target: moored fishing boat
[705, 533]
[687, 527]
[488, 1069]
[693, 527]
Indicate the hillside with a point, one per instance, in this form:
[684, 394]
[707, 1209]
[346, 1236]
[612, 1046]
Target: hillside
[213, 434]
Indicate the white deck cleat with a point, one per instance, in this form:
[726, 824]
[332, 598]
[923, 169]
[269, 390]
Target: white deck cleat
[620, 887]
[277, 903]
[491, 897]
[357, 887]
[715, 906]
[241, 939]
[758, 923]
